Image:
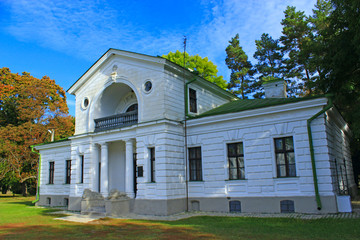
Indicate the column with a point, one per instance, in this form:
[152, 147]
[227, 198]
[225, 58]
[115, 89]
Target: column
[129, 175]
[95, 167]
[104, 184]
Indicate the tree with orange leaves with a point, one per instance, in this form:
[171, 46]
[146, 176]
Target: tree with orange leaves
[29, 107]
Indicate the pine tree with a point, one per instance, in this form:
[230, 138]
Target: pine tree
[241, 68]
[270, 61]
[296, 41]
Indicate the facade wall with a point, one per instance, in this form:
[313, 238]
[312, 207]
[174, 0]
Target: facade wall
[174, 96]
[59, 190]
[257, 134]
[206, 99]
[131, 72]
[168, 141]
[337, 133]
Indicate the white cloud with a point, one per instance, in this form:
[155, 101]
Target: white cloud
[87, 28]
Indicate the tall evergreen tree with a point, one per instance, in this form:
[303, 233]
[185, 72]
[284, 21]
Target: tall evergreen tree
[319, 23]
[270, 61]
[296, 41]
[241, 68]
[341, 61]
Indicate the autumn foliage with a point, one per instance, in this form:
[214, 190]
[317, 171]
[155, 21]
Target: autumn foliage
[29, 107]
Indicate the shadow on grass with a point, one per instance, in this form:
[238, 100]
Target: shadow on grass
[23, 203]
[104, 228]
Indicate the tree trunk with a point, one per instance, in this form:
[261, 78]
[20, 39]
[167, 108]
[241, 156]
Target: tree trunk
[24, 189]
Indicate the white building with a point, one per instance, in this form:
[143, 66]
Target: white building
[229, 155]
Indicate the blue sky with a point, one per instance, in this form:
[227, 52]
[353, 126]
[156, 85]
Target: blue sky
[63, 38]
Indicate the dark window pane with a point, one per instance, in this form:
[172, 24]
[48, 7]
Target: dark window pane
[132, 108]
[236, 161]
[280, 158]
[240, 162]
[232, 162]
[287, 206]
[281, 170]
[285, 157]
[231, 150]
[292, 170]
[235, 206]
[233, 173]
[278, 144]
[195, 168]
[290, 157]
[242, 173]
[192, 98]
[239, 149]
[289, 143]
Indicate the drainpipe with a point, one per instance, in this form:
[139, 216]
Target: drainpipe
[312, 154]
[38, 181]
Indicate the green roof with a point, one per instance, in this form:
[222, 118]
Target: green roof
[60, 140]
[248, 104]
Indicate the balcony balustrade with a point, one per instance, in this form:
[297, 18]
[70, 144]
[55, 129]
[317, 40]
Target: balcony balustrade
[116, 121]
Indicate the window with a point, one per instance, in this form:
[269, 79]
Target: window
[140, 171]
[152, 164]
[195, 168]
[81, 168]
[235, 206]
[66, 202]
[51, 172]
[192, 98]
[133, 107]
[236, 161]
[68, 171]
[195, 205]
[287, 206]
[285, 157]
[147, 86]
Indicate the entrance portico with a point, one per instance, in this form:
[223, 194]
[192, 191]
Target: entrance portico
[114, 167]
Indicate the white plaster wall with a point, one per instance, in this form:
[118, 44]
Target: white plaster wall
[58, 155]
[339, 149]
[131, 72]
[257, 134]
[168, 141]
[206, 100]
[117, 166]
[81, 147]
[175, 99]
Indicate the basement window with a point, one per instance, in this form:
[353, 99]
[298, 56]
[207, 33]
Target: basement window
[287, 206]
[235, 206]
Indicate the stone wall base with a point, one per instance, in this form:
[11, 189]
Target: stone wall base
[172, 206]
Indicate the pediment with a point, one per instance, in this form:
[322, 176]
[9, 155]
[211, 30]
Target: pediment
[106, 63]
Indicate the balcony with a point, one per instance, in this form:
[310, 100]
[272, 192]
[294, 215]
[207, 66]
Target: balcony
[116, 121]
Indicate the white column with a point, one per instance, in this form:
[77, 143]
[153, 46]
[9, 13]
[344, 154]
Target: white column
[104, 185]
[95, 167]
[129, 175]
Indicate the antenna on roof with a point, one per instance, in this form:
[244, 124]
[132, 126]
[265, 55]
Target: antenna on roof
[184, 50]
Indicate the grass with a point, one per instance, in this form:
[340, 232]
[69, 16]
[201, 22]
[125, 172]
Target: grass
[19, 219]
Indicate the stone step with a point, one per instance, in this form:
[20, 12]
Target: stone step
[93, 213]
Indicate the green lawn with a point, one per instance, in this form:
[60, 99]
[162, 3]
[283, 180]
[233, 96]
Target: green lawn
[19, 219]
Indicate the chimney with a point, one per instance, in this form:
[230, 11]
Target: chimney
[275, 89]
[52, 132]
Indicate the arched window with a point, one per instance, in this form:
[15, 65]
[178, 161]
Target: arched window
[132, 108]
